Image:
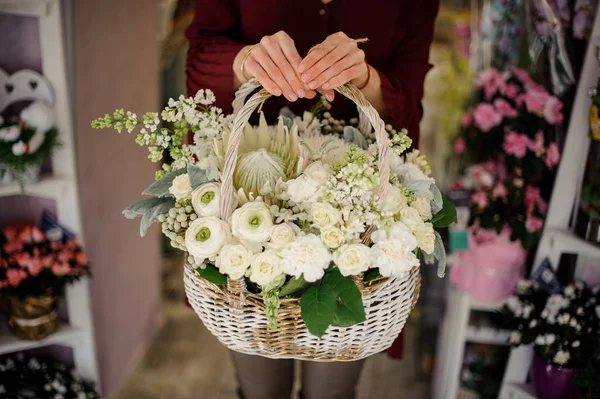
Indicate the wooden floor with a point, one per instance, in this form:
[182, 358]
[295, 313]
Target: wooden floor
[185, 361]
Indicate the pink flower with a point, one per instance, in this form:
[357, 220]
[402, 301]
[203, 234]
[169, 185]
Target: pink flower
[504, 108]
[515, 144]
[37, 235]
[532, 195]
[511, 91]
[15, 276]
[60, 269]
[537, 145]
[491, 81]
[486, 117]
[12, 246]
[552, 111]
[480, 199]
[552, 156]
[10, 232]
[459, 146]
[522, 75]
[535, 100]
[467, 118]
[542, 206]
[22, 258]
[25, 235]
[81, 259]
[35, 266]
[533, 224]
[500, 191]
[518, 182]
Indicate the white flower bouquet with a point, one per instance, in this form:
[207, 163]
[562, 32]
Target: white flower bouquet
[308, 208]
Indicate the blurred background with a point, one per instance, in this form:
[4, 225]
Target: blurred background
[127, 328]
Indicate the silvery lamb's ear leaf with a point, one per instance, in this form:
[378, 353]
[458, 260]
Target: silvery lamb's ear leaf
[152, 214]
[288, 114]
[419, 187]
[160, 188]
[197, 175]
[437, 203]
[439, 256]
[139, 208]
[354, 136]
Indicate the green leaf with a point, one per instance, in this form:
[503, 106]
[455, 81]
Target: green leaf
[371, 275]
[446, 216]
[198, 176]
[212, 274]
[139, 208]
[152, 214]
[349, 309]
[293, 286]
[317, 308]
[160, 188]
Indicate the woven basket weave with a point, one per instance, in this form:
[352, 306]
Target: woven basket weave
[236, 316]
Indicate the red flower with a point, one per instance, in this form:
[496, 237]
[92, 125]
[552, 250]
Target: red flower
[37, 234]
[60, 269]
[81, 259]
[35, 266]
[15, 276]
[12, 246]
[22, 258]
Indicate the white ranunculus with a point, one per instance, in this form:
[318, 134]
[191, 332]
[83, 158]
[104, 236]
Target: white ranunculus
[39, 116]
[252, 222]
[206, 236]
[205, 199]
[302, 189]
[234, 260]
[318, 172]
[282, 235]
[10, 133]
[306, 256]
[265, 267]
[181, 187]
[332, 237]
[392, 202]
[392, 251]
[425, 238]
[423, 205]
[324, 215]
[352, 259]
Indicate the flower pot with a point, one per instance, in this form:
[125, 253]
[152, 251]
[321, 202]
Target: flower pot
[33, 318]
[553, 382]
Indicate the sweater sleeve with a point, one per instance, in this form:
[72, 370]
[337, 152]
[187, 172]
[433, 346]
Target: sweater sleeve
[403, 76]
[212, 50]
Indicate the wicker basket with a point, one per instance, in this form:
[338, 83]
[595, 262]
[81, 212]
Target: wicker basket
[236, 316]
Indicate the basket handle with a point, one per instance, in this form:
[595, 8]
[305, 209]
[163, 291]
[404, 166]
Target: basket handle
[243, 113]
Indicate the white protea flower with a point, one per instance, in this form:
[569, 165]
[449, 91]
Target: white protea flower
[326, 148]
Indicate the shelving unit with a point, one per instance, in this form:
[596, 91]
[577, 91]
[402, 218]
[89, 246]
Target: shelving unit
[60, 187]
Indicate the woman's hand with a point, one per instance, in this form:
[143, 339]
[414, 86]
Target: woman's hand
[330, 66]
[273, 62]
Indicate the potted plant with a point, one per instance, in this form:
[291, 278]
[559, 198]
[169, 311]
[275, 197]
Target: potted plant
[26, 142]
[34, 271]
[564, 328]
[588, 381]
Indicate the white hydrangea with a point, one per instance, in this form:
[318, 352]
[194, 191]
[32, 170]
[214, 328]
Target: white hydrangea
[307, 257]
[561, 357]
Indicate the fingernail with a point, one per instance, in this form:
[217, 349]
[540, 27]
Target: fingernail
[277, 92]
[292, 97]
[329, 97]
[305, 78]
[326, 86]
[312, 85]
[300, 92]
[301, 67]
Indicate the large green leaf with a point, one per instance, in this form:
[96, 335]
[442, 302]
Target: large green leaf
[349, 309]
[212, 274]
[446, 216]
[139, 208]
[317, 308]
[152, 214]
[293, 286]
[371, 275]
[160, 188]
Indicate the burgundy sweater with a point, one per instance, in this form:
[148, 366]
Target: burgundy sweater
[399, 33]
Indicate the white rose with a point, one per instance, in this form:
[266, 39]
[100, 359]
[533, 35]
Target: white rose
[252, 222]
[425, 238]
[234, 260]
[423, 205]
[303, 189]
[332, 237]
[181, 187]
[324, 215]
[282, 235]
[408, 172]
[206, 236]
[352, 259]
[39, 116]
[265, 267]
[411, 218]
[205, 199]
[10, 133]
[306, 256]
[277, 282]
[392, 202]
[318, 172]
[392, 251]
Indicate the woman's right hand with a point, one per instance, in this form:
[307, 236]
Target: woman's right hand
[273, 62]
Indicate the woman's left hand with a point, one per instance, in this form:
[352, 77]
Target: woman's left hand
[330, 66]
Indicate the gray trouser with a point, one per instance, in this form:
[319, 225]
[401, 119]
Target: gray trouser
[264, 378]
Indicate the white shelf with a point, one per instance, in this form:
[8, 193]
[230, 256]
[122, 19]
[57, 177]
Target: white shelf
[66, 335]
[518, 391]
[51, 187]
[487, 335]
[567, 241]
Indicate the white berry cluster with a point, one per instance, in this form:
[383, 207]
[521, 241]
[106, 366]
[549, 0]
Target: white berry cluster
[176, 221]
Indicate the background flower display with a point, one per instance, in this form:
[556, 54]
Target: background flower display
[27, 377]
[26, 142]
[306, 211]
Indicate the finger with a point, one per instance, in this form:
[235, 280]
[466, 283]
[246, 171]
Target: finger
[313, 57]
[344, 77]
[262, 57]
[261, 75]
[323, 64]
[286, 68]
[329, 94]
[339, 67]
